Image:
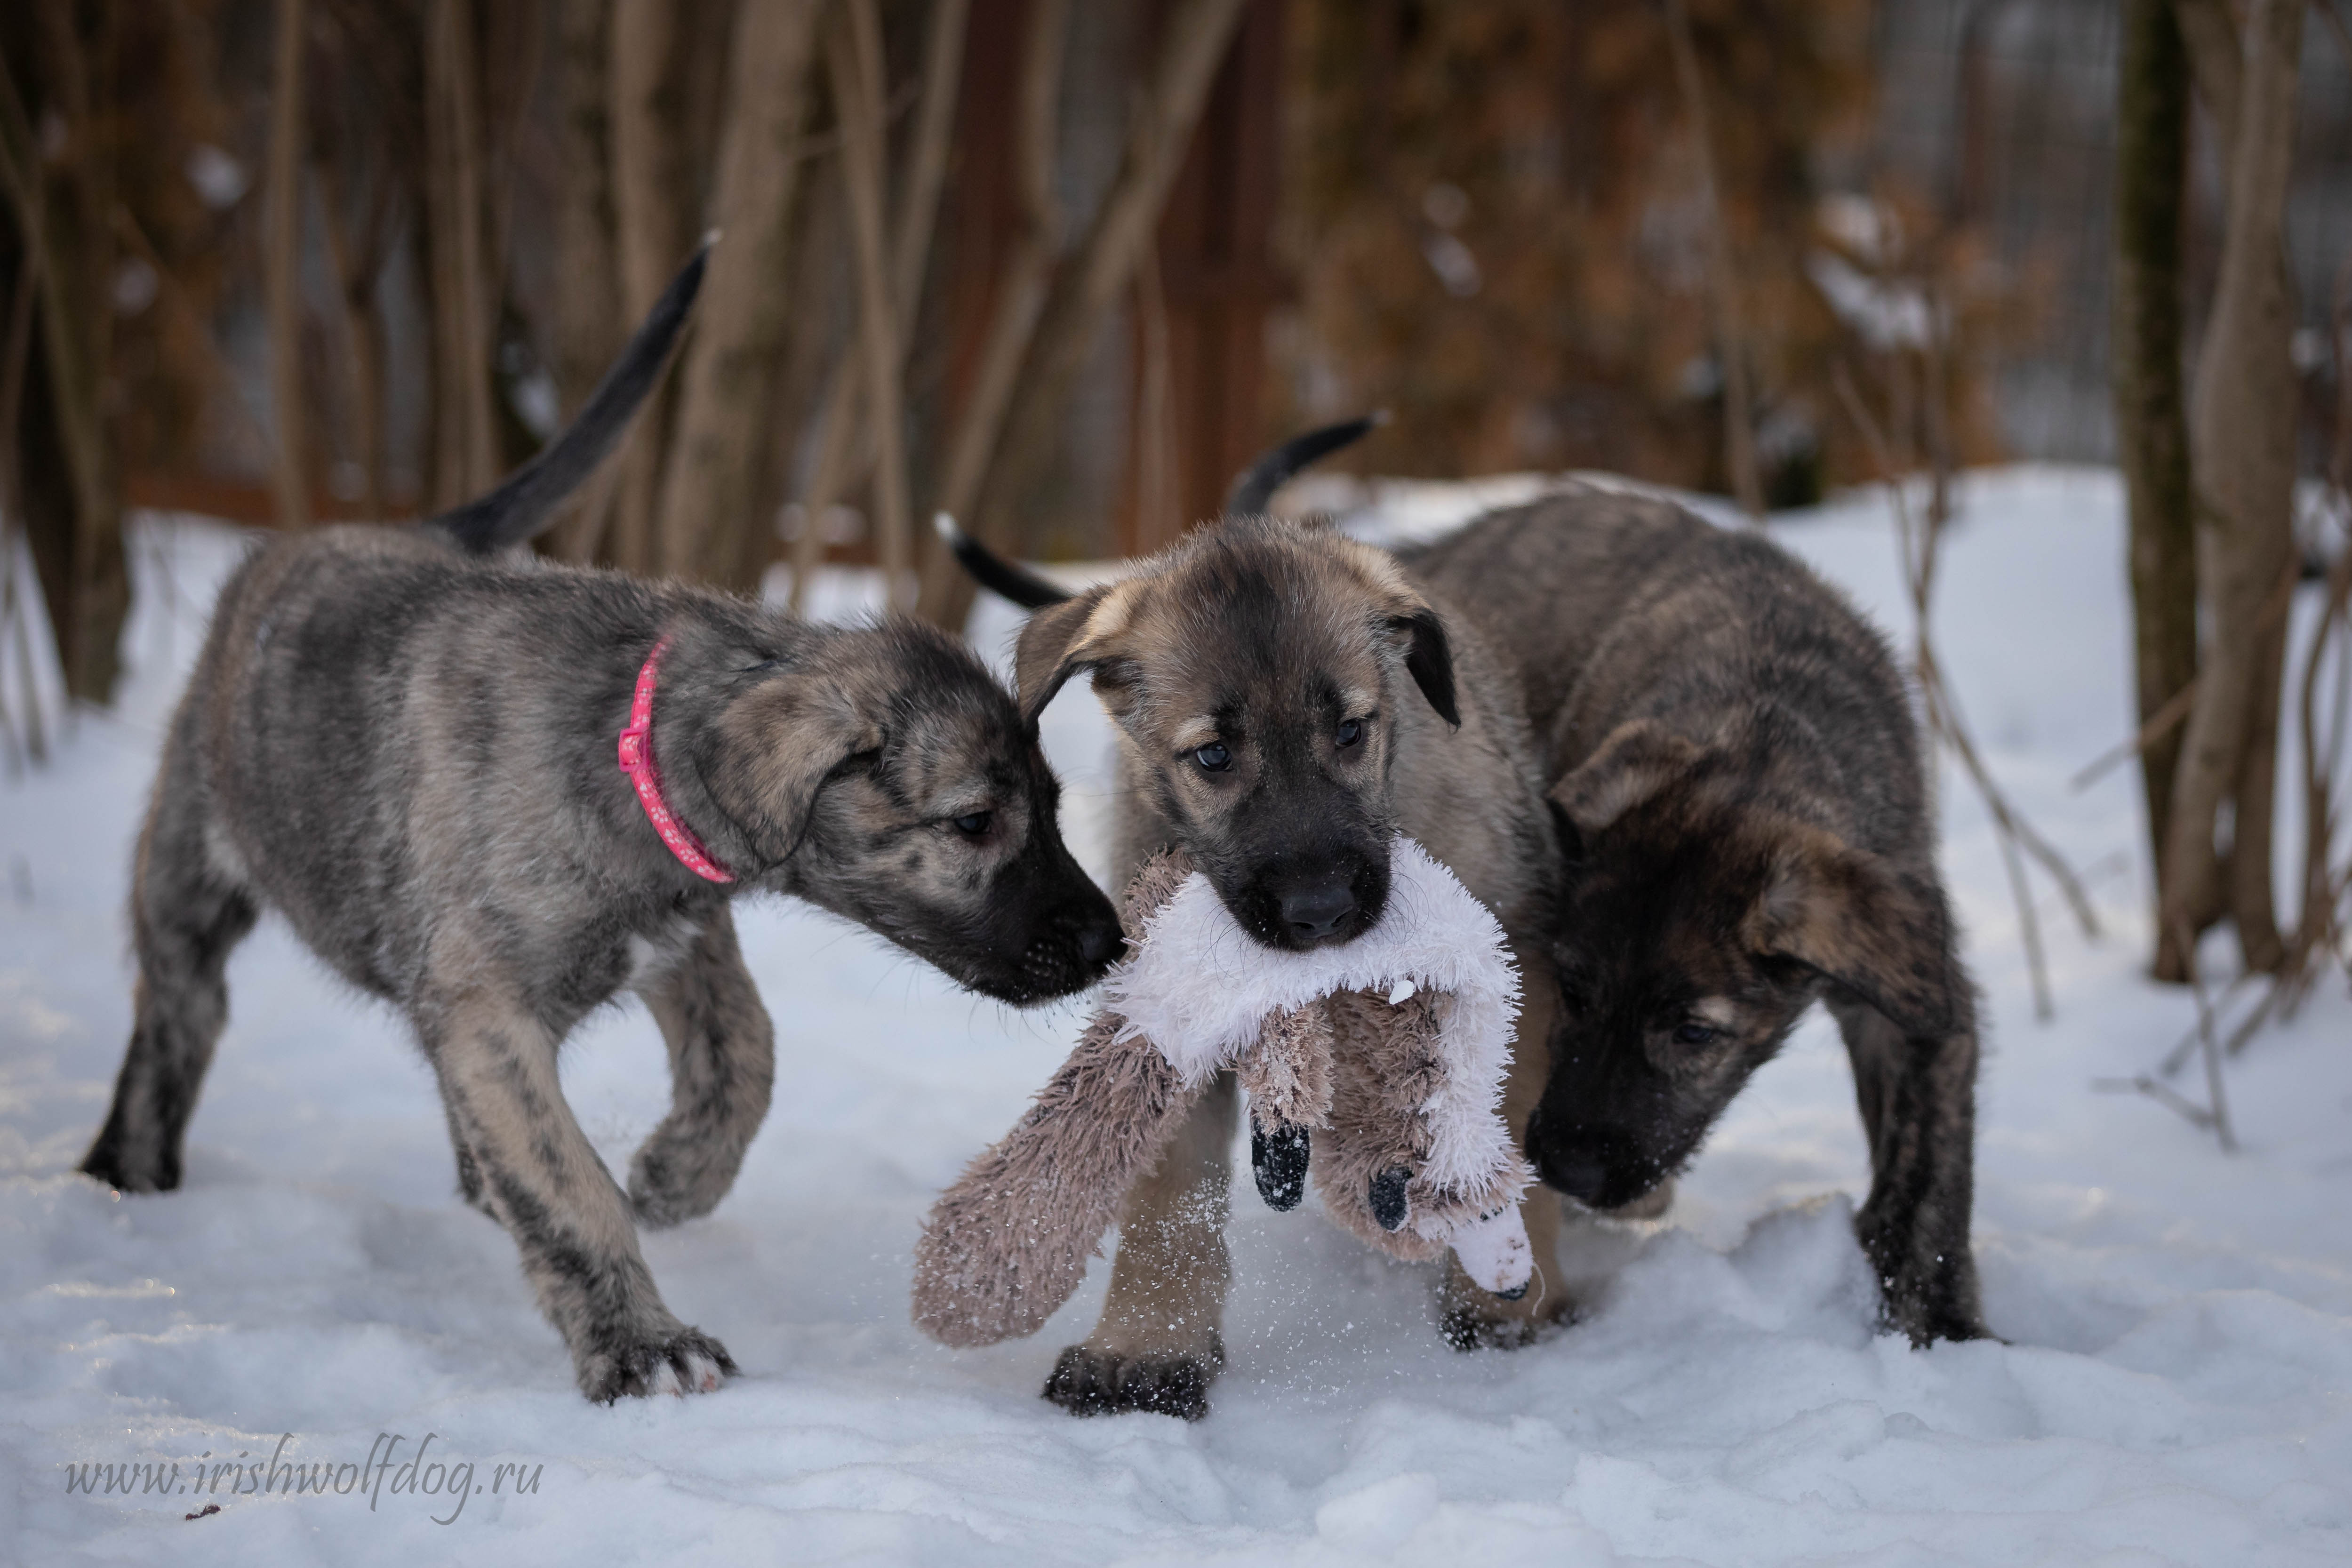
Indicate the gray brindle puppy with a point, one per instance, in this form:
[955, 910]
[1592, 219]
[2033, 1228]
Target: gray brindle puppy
[414, 751]
[1286, 698]
[1746, 827]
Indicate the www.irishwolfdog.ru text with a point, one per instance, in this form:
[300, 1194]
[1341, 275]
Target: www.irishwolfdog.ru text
[394, 1468]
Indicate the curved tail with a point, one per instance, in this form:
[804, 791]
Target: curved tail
[994, 572]
[526, 503]
[1257, 483]
[1250, 493]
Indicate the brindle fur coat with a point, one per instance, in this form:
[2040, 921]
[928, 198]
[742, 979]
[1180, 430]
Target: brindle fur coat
[408, 748]
[1746, 826]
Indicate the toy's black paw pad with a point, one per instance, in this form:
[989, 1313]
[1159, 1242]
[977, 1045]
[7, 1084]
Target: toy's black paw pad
[1389, 1202]
[1094, 1383]
[1278, 1161]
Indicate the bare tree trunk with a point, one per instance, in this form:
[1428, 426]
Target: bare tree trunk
[1730, 335]
[15, 361]
[282, 270]
[588, 324]
[2151, 418]
[919, 186]
[726, 401]
[64, 469]
[2210, 35]
[2241, 434]
[465, 446]
[650, 216]
[854, 51]
[946, 596]
[1089, 282]
[925, 173]
[357, 264]
[1159, 505]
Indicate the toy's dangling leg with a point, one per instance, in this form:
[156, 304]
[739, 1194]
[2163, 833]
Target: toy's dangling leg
[1384, 1068]
[1471, 1318]
[1289, 1076]
[1389, 1064]
[1009, 1242]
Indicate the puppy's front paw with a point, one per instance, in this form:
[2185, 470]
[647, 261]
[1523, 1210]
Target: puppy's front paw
[687, 1362]
[1936, 1310]
[1467, 1327]
[1927, 1286]
[1089, 1381]
[128, 1169]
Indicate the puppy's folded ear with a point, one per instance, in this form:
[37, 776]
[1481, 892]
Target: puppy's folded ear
[778, 745]
[1637, 760]
[1429, 659]
[1880, 933]
[1061, 640]
[1408, 616]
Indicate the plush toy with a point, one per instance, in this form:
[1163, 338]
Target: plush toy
[1377, 1064]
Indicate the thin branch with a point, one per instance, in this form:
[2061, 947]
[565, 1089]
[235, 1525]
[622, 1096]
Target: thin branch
[2164, 1094]
[1158, 507]
[14, 614]
[1730, 337]
[2011, 820]
[2165, 717]
[1028, 270]
[2159, 725]
[920, 184]
[281, 271]
[2215, 1095]
[853, 55]
[213, 358]
[924, 179]
[1919, 541]
[1195, 37]
[15, 355]
[2186, 1046]
[2333, 21]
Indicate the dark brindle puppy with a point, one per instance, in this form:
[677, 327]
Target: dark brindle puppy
[410, 749]
[1746, 827]
[1286, 698]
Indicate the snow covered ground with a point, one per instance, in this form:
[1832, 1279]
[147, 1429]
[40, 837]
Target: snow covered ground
[2176, 1384]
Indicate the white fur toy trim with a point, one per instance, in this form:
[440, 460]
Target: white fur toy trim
[1493, 1251]
[1200, 987]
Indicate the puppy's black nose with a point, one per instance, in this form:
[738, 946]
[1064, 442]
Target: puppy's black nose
[1569, 1169]
[1098, 943]
[1319, 911]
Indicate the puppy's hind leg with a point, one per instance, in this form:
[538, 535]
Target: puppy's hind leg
[187, 913]
[1157, 1345]
[722, 1066]
[541, 1179]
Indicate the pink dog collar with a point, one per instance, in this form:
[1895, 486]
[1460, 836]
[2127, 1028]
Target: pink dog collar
[637, 762]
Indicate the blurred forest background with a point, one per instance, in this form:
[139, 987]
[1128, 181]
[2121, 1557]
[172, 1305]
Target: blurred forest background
[1061, 266]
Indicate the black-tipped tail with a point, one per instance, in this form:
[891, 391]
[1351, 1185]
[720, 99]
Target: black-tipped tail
[1270, 473]
[526, 502]
[994, 572]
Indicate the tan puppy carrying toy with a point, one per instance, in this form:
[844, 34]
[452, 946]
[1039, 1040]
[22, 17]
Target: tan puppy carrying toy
[1378, 1066]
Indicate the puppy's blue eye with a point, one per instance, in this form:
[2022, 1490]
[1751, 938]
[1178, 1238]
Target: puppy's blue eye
[1351, 731]
[1214, 757]
[1694, 1034]
[976, 823]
